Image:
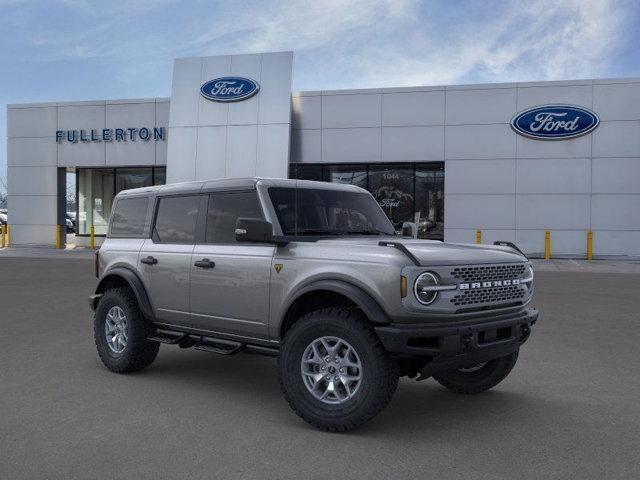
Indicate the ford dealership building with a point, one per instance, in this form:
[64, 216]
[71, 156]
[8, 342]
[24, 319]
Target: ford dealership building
[512, 160]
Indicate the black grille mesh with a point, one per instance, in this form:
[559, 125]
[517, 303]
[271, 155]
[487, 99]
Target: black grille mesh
[486, 273]
[489, 295]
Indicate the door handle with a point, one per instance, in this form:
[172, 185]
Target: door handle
[204, 263]
[149, 260]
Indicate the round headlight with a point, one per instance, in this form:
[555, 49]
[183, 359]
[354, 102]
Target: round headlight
[422, 289]
[529, 278]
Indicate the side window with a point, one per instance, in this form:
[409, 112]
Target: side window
[224, 209]
[128, 217]
[176, 219]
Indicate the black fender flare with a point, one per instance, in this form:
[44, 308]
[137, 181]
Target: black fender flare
[356, 294]
[134, 282]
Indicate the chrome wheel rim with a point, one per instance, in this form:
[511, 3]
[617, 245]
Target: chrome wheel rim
[331, 370]
[116, 330]
[474, 368]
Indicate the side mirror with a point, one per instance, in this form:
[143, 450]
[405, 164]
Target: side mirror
[254, 230]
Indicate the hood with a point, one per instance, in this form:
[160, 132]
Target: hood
[438, 253]
[433, 252]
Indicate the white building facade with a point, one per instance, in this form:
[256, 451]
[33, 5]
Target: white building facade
[450, 158]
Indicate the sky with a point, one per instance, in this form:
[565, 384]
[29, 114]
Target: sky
[87, 50]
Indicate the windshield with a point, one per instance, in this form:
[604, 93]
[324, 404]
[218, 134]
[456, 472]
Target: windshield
[310, 211]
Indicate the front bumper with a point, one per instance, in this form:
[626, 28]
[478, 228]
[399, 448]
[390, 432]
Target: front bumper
[462, 344]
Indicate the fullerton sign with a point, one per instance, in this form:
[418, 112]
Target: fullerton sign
[110, 135]
[555, 122]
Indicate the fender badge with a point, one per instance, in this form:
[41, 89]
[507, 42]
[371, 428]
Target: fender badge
[278, 267]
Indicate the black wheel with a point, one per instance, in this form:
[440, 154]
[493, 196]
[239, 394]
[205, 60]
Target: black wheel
[333, 370]
[478, 378]
[120, 331]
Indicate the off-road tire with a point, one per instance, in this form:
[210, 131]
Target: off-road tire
[139, 352]
[480, 380]
[379, 372]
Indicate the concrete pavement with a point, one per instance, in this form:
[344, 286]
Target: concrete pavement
[568, 410]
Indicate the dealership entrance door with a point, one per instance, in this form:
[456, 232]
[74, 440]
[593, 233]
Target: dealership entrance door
[407, 192]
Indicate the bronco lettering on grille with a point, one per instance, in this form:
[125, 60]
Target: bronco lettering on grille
[493, 283]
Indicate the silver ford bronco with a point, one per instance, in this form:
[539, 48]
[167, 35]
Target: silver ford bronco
[314, 274]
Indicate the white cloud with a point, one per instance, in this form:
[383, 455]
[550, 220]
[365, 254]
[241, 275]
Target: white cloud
[543, 40]
[363, 43]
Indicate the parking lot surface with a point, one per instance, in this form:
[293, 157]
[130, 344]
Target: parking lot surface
[569, 409]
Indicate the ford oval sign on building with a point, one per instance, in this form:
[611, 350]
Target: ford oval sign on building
[555, 122]
[229, 89]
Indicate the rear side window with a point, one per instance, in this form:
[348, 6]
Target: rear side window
[128, 217]
[176, 219]
[224, 209]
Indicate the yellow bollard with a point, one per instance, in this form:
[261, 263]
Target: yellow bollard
[478, 236]
[8, 234]
[589, 245]
[4, 235]
[58, 237]
[547, 244]
[92, 238]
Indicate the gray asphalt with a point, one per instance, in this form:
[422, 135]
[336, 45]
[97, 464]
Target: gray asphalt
[569, 409]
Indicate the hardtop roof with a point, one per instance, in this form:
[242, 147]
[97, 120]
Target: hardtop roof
[226, 184]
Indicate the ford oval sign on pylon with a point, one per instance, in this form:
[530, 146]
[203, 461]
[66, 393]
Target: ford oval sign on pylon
[555, 122]
[229, 89]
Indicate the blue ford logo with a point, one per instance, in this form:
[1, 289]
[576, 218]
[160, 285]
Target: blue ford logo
[229, 89]
[555, 122]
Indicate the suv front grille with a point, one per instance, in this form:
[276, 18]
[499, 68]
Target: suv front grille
[489, 295]
[484, 273]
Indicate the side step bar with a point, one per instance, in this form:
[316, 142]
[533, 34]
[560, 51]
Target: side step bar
[209, 344]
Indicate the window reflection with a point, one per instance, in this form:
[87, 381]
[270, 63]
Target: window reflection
[406, 192]
[429, 209]
[349, 174]
[95, 197]
[305, 172]
[97, 188]
[159, 176]
[127, 178]
[392, 186]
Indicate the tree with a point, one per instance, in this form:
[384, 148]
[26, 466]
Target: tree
[71, 192]
[3, 193]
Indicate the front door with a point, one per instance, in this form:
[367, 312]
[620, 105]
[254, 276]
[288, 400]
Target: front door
[165, 259]
[230, 280]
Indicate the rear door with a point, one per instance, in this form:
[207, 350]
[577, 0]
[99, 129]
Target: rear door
[230, 280]
[165, 258]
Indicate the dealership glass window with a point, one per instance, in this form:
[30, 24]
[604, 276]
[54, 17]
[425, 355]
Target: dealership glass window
[127, 178]
[95, 196]
[305, 172]
[429, 209]
[97, 187]
[159, 176]
[393, 187]
[409, 192]
[350, 174]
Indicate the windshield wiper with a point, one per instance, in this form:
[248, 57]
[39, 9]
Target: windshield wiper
[363, 232]
[317, 231]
